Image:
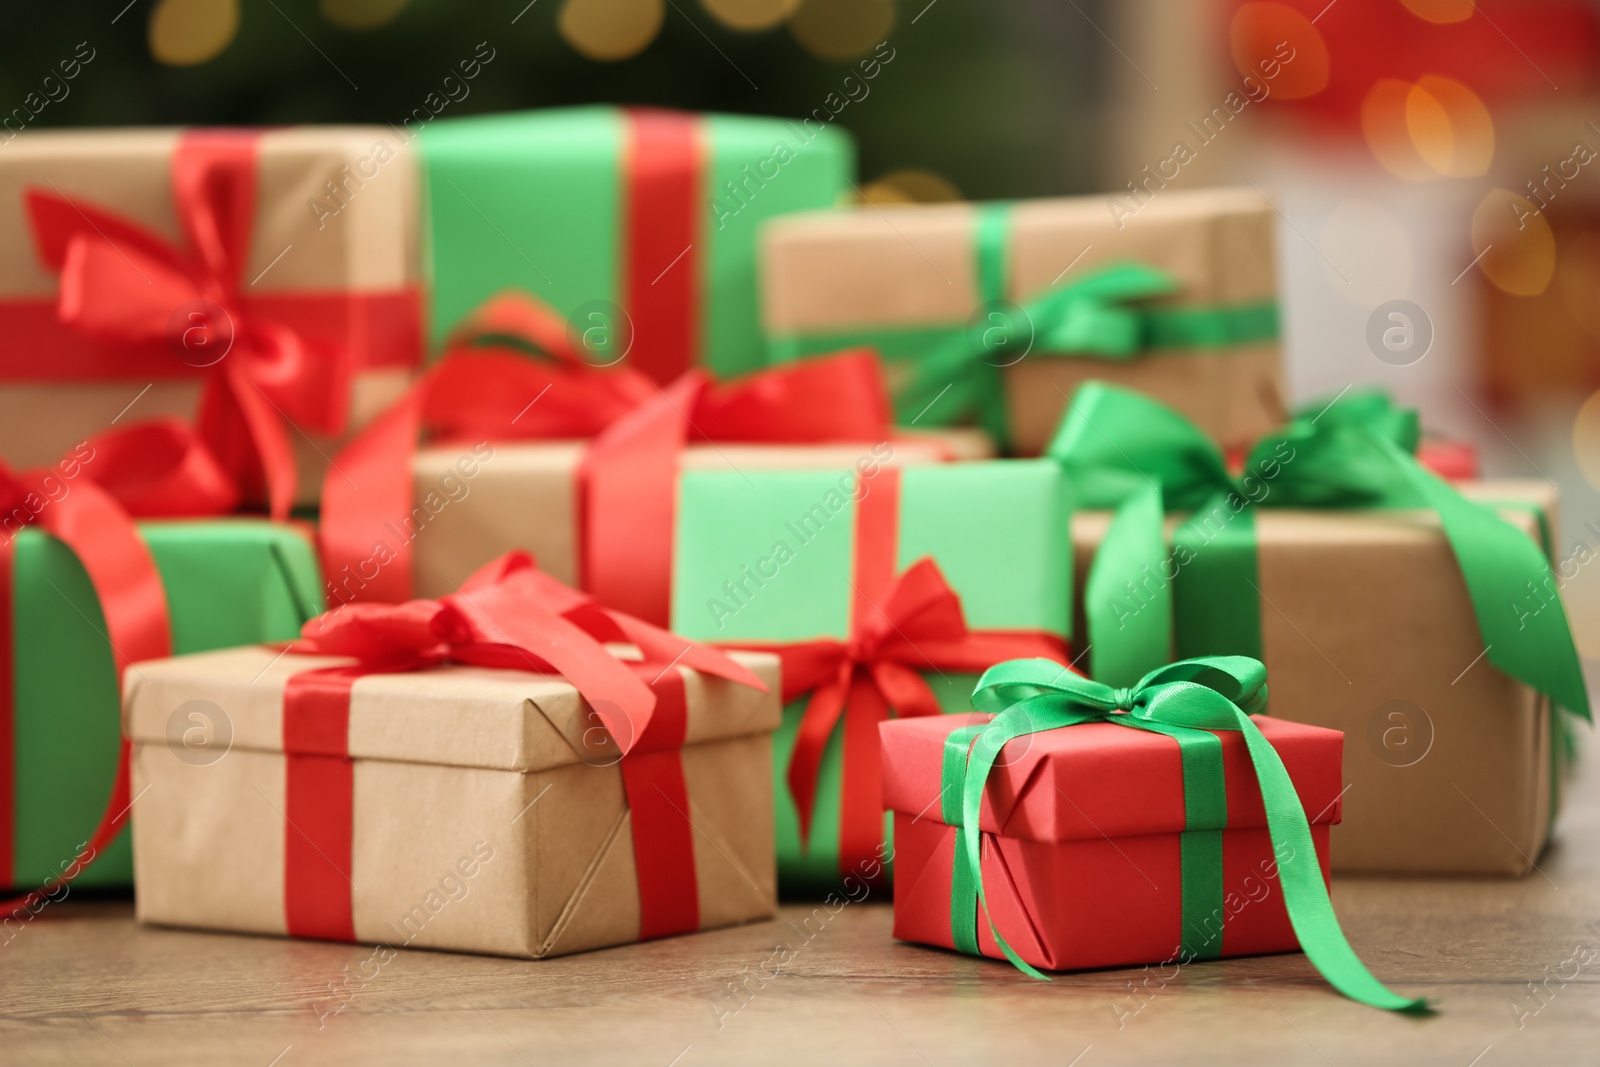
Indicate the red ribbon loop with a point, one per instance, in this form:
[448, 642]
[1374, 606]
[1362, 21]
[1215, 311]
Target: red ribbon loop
[124, 284]
[484, 391]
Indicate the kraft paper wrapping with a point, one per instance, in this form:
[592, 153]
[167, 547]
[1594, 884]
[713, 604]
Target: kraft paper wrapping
[456, 768]
[915, 267]
[1367, 628]
[525, 495]
[370, 244]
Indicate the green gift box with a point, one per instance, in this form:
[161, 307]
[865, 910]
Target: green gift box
[884, 593]
[228, 582]
[602, 210]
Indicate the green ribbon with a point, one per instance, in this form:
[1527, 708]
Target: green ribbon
[1186, 701]
[1101, 315]
[1132, 454]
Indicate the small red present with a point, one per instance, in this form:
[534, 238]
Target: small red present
[1119, 826]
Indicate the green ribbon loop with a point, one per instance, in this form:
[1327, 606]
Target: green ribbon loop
[1129, 453]
[1186, 701]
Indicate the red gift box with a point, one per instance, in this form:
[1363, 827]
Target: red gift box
[1083, 838]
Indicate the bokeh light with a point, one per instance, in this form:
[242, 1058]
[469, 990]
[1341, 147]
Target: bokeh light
[1386, 127]
[1516, 248]
[361, 14]
[1586, 440]
[1449, 126]
[185, 33]
[1442, 11]
[750, 15]
[909, 187]
[841, 29]
[1270, 32]
[610, 30]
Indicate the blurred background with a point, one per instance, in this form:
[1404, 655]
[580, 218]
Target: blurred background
[1436, 163]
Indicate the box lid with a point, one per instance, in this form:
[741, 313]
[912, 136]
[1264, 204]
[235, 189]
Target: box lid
[1099, 779]
[452, 715]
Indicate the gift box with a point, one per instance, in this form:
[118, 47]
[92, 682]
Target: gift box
[1085, 841]
[996, 313]
[495, 498]
[423, 790]
[536, 448]
[226, 582]
[894, 597]
[1077, 825]
[117, 303]
[639, 225]
[1420, 619]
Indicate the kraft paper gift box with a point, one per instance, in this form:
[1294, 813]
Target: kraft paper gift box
[895, 597]
[459, 807]
[227, 582]
[509, 496]
[321, 240]
[924, 284]
[640, 225]
[1368, 625]
[1084, 843]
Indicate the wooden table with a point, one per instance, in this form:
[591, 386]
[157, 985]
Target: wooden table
[84, 984]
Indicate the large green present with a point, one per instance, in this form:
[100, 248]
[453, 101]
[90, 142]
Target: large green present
[639, 225]
[883, 595]
[227, 582]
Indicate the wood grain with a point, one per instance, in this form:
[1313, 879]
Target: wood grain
[84, 984]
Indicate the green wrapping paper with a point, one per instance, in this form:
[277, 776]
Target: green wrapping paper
[778, 558]
[544, 201]
[227, 582]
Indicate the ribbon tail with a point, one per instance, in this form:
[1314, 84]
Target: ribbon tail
[1217, 589]
[1305, 895]
[811, 740]
[1126, 640]
[246, 432]
[861, 789]
[1513, 592]
[369, 489]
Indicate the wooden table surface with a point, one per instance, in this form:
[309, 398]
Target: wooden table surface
[85, 985]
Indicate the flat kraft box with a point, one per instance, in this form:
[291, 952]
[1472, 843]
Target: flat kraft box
[525, 495]
[488, 812]
[907, 278]
[1449, 765]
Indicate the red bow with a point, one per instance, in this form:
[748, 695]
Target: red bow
[917, 626]
[122, 283]
[628, 475]
[512, 616]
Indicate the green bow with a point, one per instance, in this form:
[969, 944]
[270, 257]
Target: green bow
[1186, 701]
[1130, 453]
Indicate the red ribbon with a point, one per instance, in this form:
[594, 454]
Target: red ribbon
[485, 388]
[129, 302]
[900, 626]
[663, 160]
[508, 615]
[72, 503]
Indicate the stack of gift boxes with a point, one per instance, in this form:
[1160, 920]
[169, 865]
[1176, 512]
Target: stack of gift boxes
[501, 509]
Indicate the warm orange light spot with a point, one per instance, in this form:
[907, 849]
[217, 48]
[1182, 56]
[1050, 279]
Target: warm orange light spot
[610, 29]
[750, 15]
[1516, 248]
[841, 29]
[185, 33]
[1441, 10]
[1586, 439]
[909, 187]
[1384, 123]
[1279, 46]
[1449, 126]
[361, 14]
